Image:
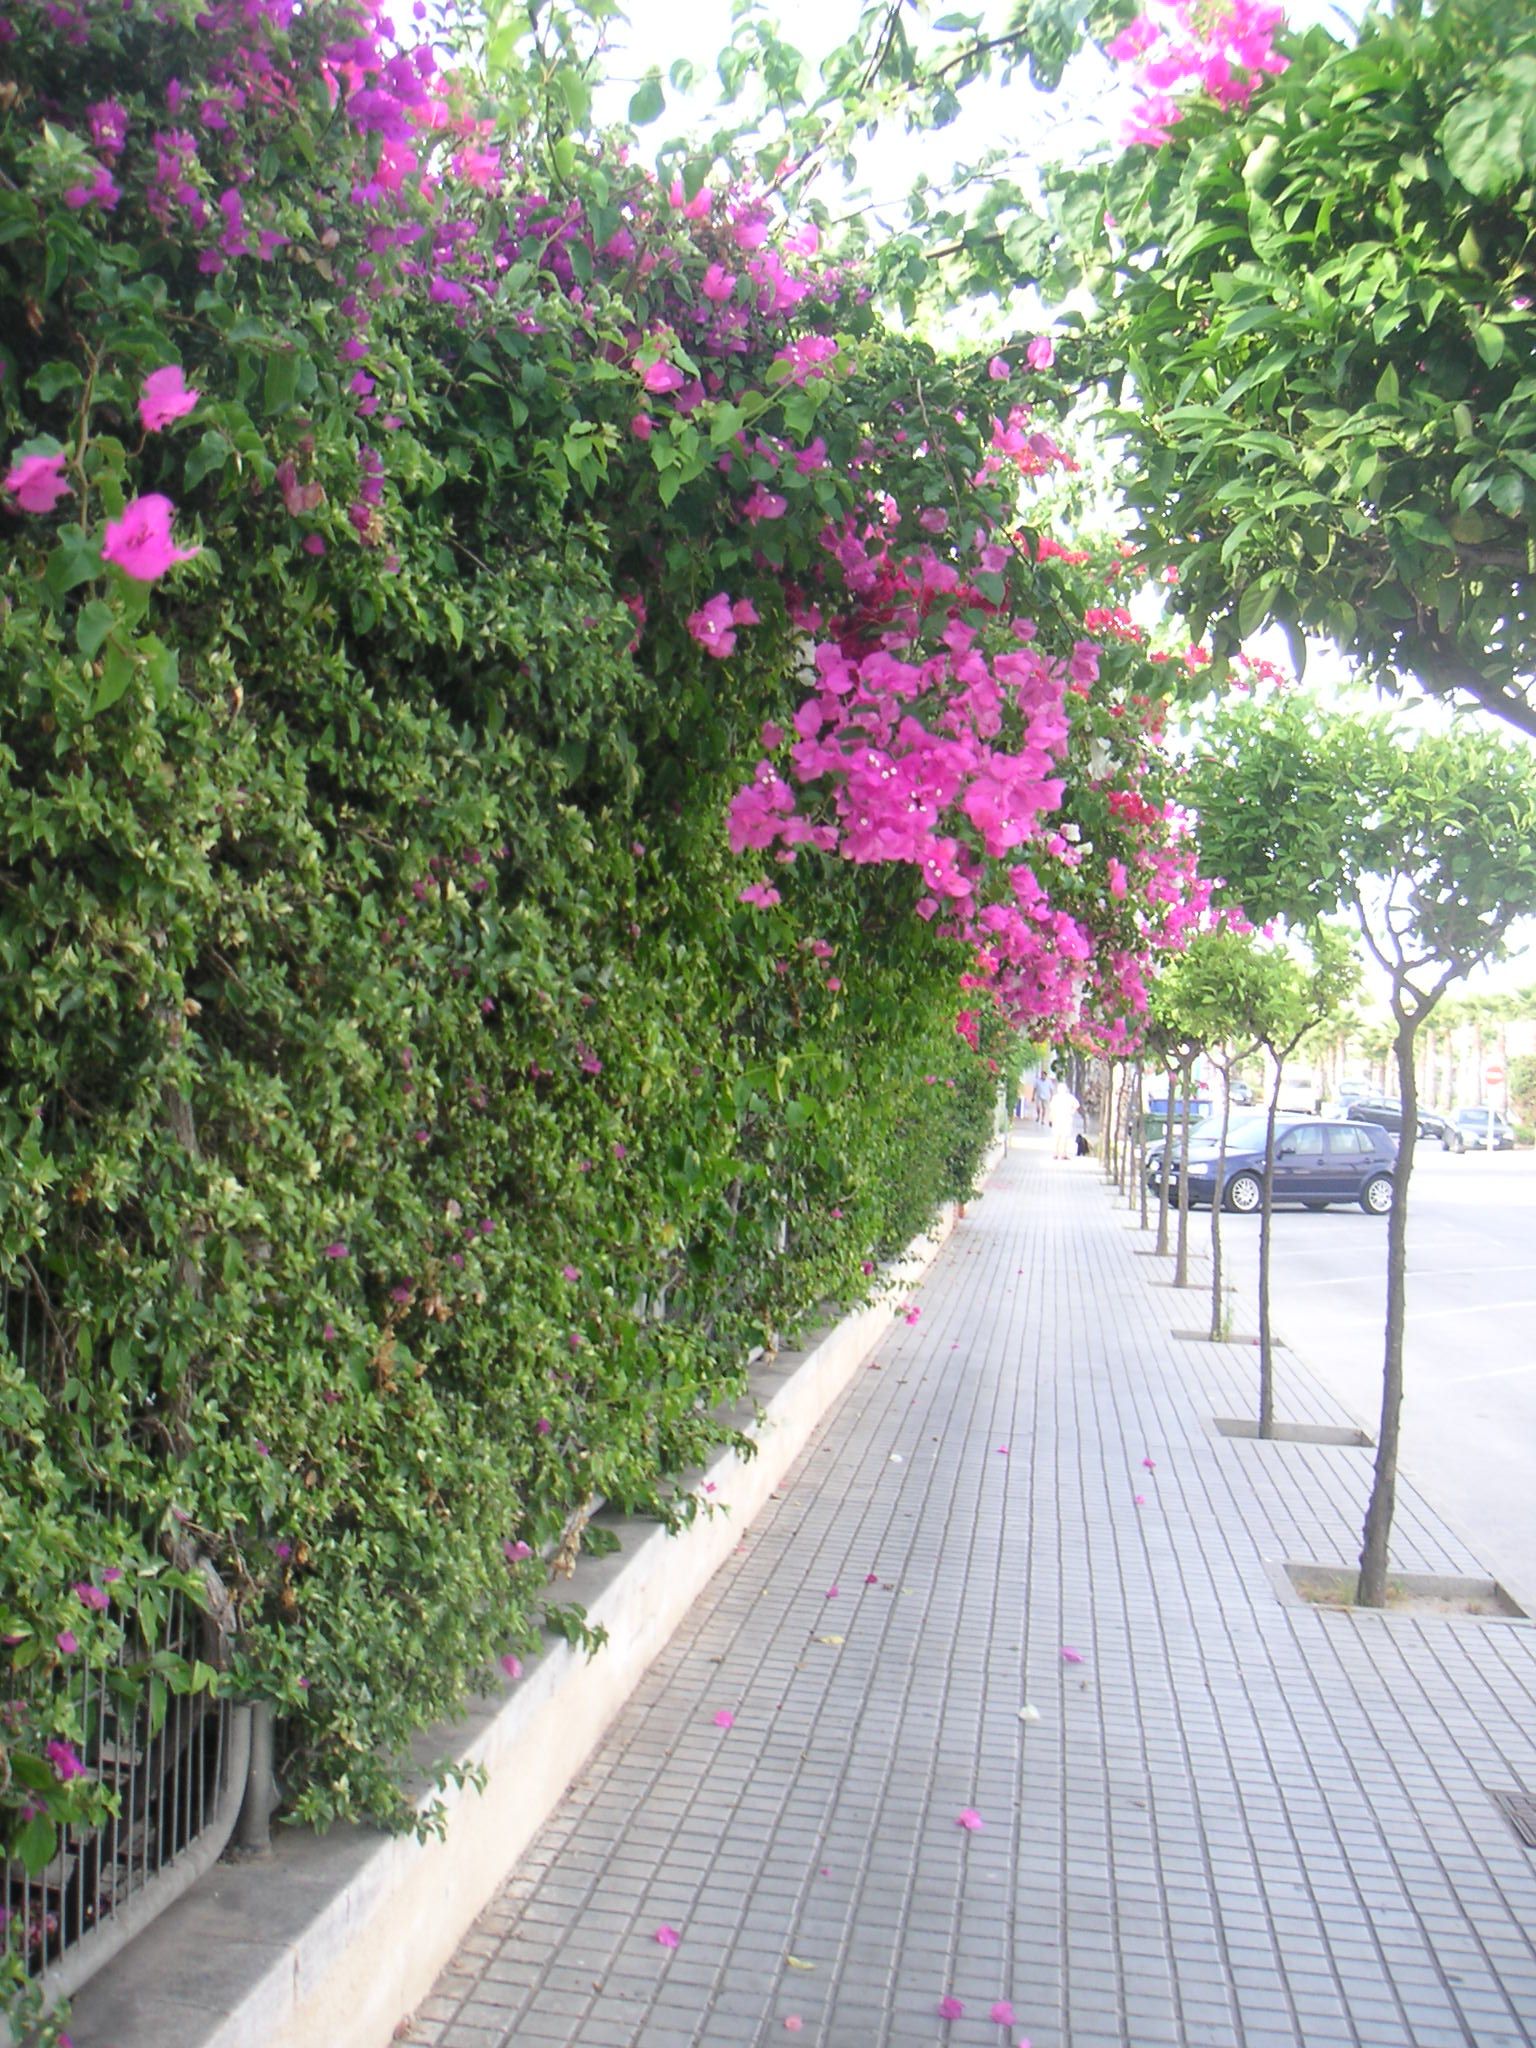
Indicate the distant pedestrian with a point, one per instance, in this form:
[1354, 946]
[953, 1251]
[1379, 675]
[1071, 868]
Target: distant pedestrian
[1043, 1090]
[1064, 1108]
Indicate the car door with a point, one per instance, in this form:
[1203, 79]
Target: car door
[1301, 1166]
[1349, 1155]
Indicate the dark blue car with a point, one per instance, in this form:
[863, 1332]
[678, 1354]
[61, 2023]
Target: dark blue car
[1316, 1162]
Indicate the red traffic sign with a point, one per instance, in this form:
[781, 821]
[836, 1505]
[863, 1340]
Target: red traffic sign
[1493, 1073]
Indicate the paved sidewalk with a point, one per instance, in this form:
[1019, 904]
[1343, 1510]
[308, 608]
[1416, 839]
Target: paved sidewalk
[1236, 1823]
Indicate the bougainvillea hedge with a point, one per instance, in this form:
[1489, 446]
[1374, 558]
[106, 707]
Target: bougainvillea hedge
[431, 554]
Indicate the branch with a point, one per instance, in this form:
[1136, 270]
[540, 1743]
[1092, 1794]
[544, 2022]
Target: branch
[1443, 669]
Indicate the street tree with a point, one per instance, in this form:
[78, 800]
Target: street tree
[1430, 845]
[1315, 318]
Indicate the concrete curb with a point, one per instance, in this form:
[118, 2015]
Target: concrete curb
[336, 1936]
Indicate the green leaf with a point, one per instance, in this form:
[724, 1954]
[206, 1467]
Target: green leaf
[94, 622]
[36, 1844]
[649, 102]
[1507, 493]
[281, 383]
[75, 559]
[117, 672]
[211, 453]
[53, 378]
[1489, 138]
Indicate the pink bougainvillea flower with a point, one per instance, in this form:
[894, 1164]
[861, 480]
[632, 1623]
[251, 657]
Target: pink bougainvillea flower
[725, 1718]
[514, 1553]
[94, 1597]
[513, 1666]
[969, 1819]
[911, 1314]
[1041, 352]
[1150, 1463]
[793, 2023]
[642, 426]
[140, 542]
[67, 1641]
[313, 544]
[762, 894]
[1001, 2012]
[66, 1763]
[667, 1937]
[1141, 1500]
[712, 625]
[543, 1425]
[36, 482]
[338, 1250]
[570, 1272]
[831, 1593]
[165, 397]
[1070, 1656]
[999, 369]
[765, 504]
[659, 378]
[871, 1578]
[951, 2009]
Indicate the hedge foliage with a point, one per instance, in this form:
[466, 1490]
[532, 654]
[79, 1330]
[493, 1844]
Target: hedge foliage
[410, 1128]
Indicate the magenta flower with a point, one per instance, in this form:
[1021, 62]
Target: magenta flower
[164, 398]
[667, 1937]
[512, 1666]
[543, 1425]
[94, 1597]
[1000, 369]
[570, 1272]
[1070, 1656]
[951, 2009]
[659, 378]
[969, 1819]
[762, 894]
[1041, 352]
[67, 1641]
[66, 1763]
[338, 1250]
[36, 482]
[140, 542]
[725, 1718]
[1001, 2013]
[642, 426]
[514, 1553]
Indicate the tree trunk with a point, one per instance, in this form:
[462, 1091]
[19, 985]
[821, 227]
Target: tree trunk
[1372, 1588]
[1162, 1190]
[1139, 1141]
[1181, 1258]
[1218, 1319]
[1266, 1225]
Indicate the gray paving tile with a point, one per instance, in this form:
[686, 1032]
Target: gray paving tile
[1236, 1824]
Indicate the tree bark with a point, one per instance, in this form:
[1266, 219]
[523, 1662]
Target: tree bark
[1371, 1590]
[1217, 1189]
[1266, 1223]
[1181, 1257]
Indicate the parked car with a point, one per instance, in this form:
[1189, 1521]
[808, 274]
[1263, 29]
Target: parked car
[1387, 1115]
[1486, 1129]
[1316, 1163]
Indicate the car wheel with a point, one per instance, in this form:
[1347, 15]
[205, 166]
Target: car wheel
[1245, 1192]
[1314, 1203]
[1376, 1195]
[1455, 1142]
